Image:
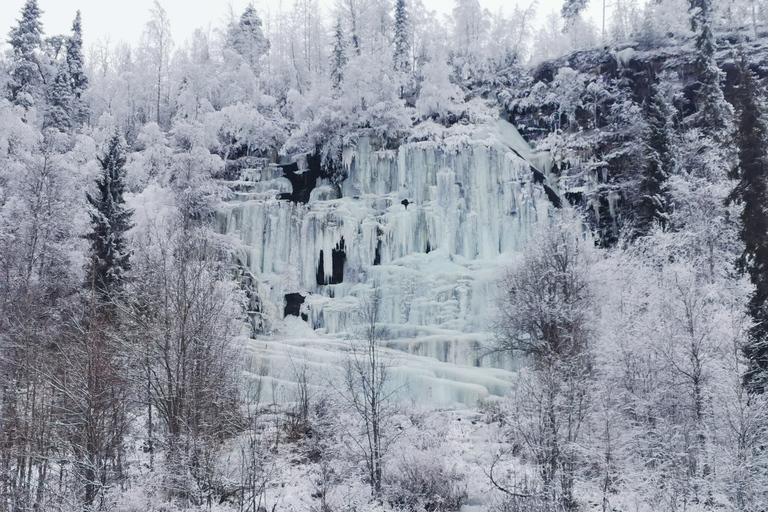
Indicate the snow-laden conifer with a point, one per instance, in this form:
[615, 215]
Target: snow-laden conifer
[751, 191]
[110, 220]
[338, 55]
[247, 38]
[659, 164]
[402, 39]
[25, 41]
[712, 111]
[76, 69]
[60, 101]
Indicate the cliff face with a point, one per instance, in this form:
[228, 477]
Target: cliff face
[588, 109]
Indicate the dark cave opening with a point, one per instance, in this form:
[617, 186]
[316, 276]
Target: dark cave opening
[293, 302]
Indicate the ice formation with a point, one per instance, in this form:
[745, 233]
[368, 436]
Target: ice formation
[428, 225]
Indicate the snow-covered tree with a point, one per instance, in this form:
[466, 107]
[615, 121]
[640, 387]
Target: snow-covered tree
[713, 112]
[248, 40]
[659, 165]
[180, 317]
[59, 110]
[351, 11]
[545, 314]
[368, 391]
[751, 191]
[402, 40]
[438, 99]
[470, 27]
[42, 226]
[701, 11]
[76, 69]
[158, 44]
[338, 55]
[25, 39]
[110, 220]
[572, 10]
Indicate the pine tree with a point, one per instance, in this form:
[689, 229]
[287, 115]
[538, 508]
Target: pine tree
[247, 39]
[338, 55]
[75, 68]
[402, 41]
[751, 191]
[659, 164]
[25, 39]
[110, 220]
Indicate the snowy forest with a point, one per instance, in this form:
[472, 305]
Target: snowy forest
[387, 260]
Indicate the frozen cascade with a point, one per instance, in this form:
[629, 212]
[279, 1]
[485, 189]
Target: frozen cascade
[428, 225]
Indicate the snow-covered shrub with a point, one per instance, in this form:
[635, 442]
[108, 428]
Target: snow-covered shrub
[424, 481]
[520, 503]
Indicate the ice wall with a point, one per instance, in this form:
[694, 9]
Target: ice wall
[428, 225]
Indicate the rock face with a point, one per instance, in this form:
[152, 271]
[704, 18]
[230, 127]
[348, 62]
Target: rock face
[589, 108]
[427, 226]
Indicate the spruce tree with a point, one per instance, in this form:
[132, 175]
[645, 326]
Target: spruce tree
[751, 191]
[60, 102]
[402, 41]
[247, 38]
[75, 68]
[571, 10]
[653, 208]
[712, 111]
[338, 55]
[25, 40]
[109, 220]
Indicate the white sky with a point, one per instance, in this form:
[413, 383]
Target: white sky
[125, 19]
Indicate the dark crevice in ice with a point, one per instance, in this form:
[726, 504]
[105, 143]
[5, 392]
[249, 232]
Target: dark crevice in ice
[339, 255]
[303, 181]
[293, 302]
[377, 256]
[338, 259]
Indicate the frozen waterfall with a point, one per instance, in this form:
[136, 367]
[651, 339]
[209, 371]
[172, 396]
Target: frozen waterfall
[428, 225]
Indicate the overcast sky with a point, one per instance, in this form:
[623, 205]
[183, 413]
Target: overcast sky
[125, 19]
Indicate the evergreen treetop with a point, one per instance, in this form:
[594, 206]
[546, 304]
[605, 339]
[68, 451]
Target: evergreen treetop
[572, 9]
[247, 38]
[27, 36]
[25, 39]
[338, 55]
[75, 58]
[402, 41]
